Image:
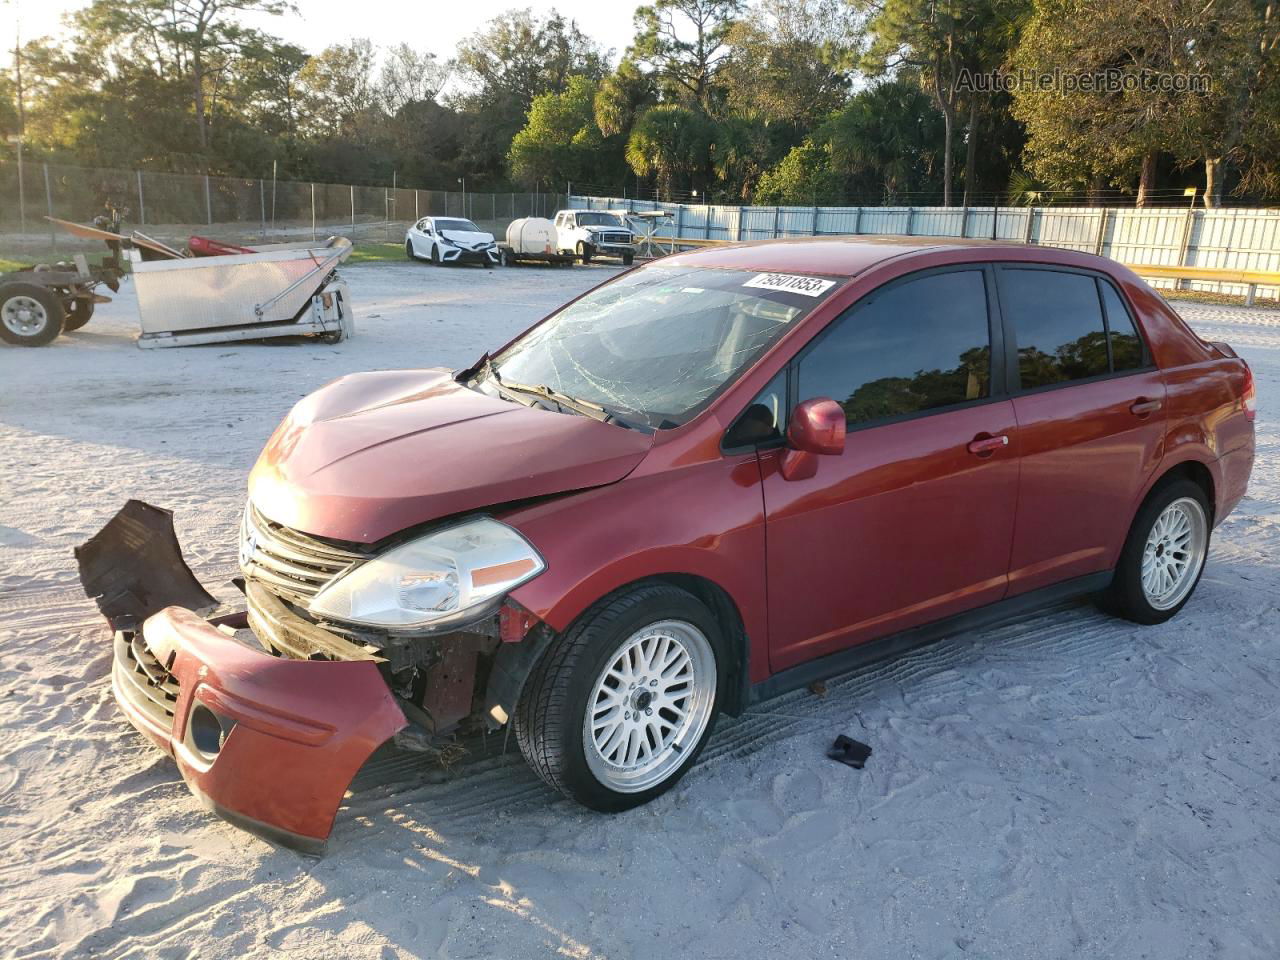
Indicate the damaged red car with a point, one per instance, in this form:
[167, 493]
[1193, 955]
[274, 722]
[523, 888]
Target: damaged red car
[707, 481]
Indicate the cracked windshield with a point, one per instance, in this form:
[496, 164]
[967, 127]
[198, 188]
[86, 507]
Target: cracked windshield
[652, 348]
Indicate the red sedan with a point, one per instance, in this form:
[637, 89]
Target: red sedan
[706, 481]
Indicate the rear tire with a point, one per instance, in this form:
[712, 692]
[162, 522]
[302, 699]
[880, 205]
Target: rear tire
[81, 312]
[646, 666]
[30, 315]
[1164, 555]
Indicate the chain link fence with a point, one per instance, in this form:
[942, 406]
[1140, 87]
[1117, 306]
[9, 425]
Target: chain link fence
[174, 206]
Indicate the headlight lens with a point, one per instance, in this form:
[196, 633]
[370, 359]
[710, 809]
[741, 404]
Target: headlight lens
[444, 577]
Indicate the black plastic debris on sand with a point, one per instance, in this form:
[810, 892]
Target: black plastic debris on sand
[848, 751]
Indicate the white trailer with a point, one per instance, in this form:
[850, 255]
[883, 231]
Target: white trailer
[531, 240]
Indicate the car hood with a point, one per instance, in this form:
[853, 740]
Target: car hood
[372, 454]
[597, 228]
[466, 238]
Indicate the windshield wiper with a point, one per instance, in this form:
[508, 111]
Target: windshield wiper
[510, 389]
[584, 407]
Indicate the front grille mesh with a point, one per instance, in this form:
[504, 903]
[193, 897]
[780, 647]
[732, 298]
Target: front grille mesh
[615, 238]
[144, 680]
[292, 565]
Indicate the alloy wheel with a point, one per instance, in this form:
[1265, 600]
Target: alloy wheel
[1174, 553]
[649, 706]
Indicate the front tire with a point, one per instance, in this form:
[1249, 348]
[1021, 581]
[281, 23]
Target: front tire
[628, 259]
[30, 315]
[408, 250]
[619, 707]
[1164, 556]
[585, 251]
[435, 255]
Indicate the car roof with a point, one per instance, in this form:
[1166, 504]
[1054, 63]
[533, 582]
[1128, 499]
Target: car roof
[852, 255]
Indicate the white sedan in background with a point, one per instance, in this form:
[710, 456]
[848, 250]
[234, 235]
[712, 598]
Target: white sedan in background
[450, 240]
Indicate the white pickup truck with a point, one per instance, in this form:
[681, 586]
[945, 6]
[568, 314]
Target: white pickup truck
[594, 233]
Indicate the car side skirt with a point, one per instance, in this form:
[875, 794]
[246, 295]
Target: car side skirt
[872, 651]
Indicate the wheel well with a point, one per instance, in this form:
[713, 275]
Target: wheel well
[726, 612]
[515, 661]
[1197, 473]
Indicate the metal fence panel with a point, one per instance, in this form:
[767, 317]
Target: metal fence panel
[1239, 239]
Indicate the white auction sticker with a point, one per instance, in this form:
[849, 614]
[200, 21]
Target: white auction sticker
[791, 283]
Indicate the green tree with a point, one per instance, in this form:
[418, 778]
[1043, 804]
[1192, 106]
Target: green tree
[561, 141]
[194, 41]
[804, 177]
[943, 41]
[672, 144]
[686, 44]
[790, 61]
[740, 153]
[623, 96]
[886, 140]
[516, 57]
[339, 90]
[410, 76]
[1107, 135]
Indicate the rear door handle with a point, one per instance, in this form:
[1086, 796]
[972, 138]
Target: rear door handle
[985, 446]
[1142, 407]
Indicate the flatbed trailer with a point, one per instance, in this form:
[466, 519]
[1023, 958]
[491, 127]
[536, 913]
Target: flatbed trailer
[508, 256]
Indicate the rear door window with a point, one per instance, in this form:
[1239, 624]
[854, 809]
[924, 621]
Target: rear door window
[919, 345]
[1057, 324]
[1127, 351]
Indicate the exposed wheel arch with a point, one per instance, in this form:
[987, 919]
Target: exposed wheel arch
[515, 661]
[1197, 472]
[1193, 470]
[730, 618]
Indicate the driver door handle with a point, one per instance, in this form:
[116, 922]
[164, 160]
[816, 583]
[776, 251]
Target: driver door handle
[1142, 407]
[987, 445]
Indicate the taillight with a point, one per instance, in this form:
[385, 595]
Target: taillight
[1249, 399]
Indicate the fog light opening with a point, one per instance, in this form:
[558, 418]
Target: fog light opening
[208, 731]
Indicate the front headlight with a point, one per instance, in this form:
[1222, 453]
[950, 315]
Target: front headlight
[445, 577]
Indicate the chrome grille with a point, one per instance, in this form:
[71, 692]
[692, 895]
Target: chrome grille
[291, 564]
[615, 238]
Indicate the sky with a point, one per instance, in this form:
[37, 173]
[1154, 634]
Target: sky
[434, 25]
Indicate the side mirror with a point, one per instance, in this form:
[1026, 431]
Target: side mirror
[816, 429]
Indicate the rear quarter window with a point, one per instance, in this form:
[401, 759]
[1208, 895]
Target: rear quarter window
[1127, 352]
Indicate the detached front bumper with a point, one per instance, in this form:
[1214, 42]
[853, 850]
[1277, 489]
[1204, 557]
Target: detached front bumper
[271, 744]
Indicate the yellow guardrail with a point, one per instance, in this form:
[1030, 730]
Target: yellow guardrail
[1251, 279]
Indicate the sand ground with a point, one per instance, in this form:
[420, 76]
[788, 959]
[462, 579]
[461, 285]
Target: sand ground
[1064, 786]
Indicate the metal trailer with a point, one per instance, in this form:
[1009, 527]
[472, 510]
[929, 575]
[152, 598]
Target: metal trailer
[644, 226]
[508, 255]
[279, 291]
